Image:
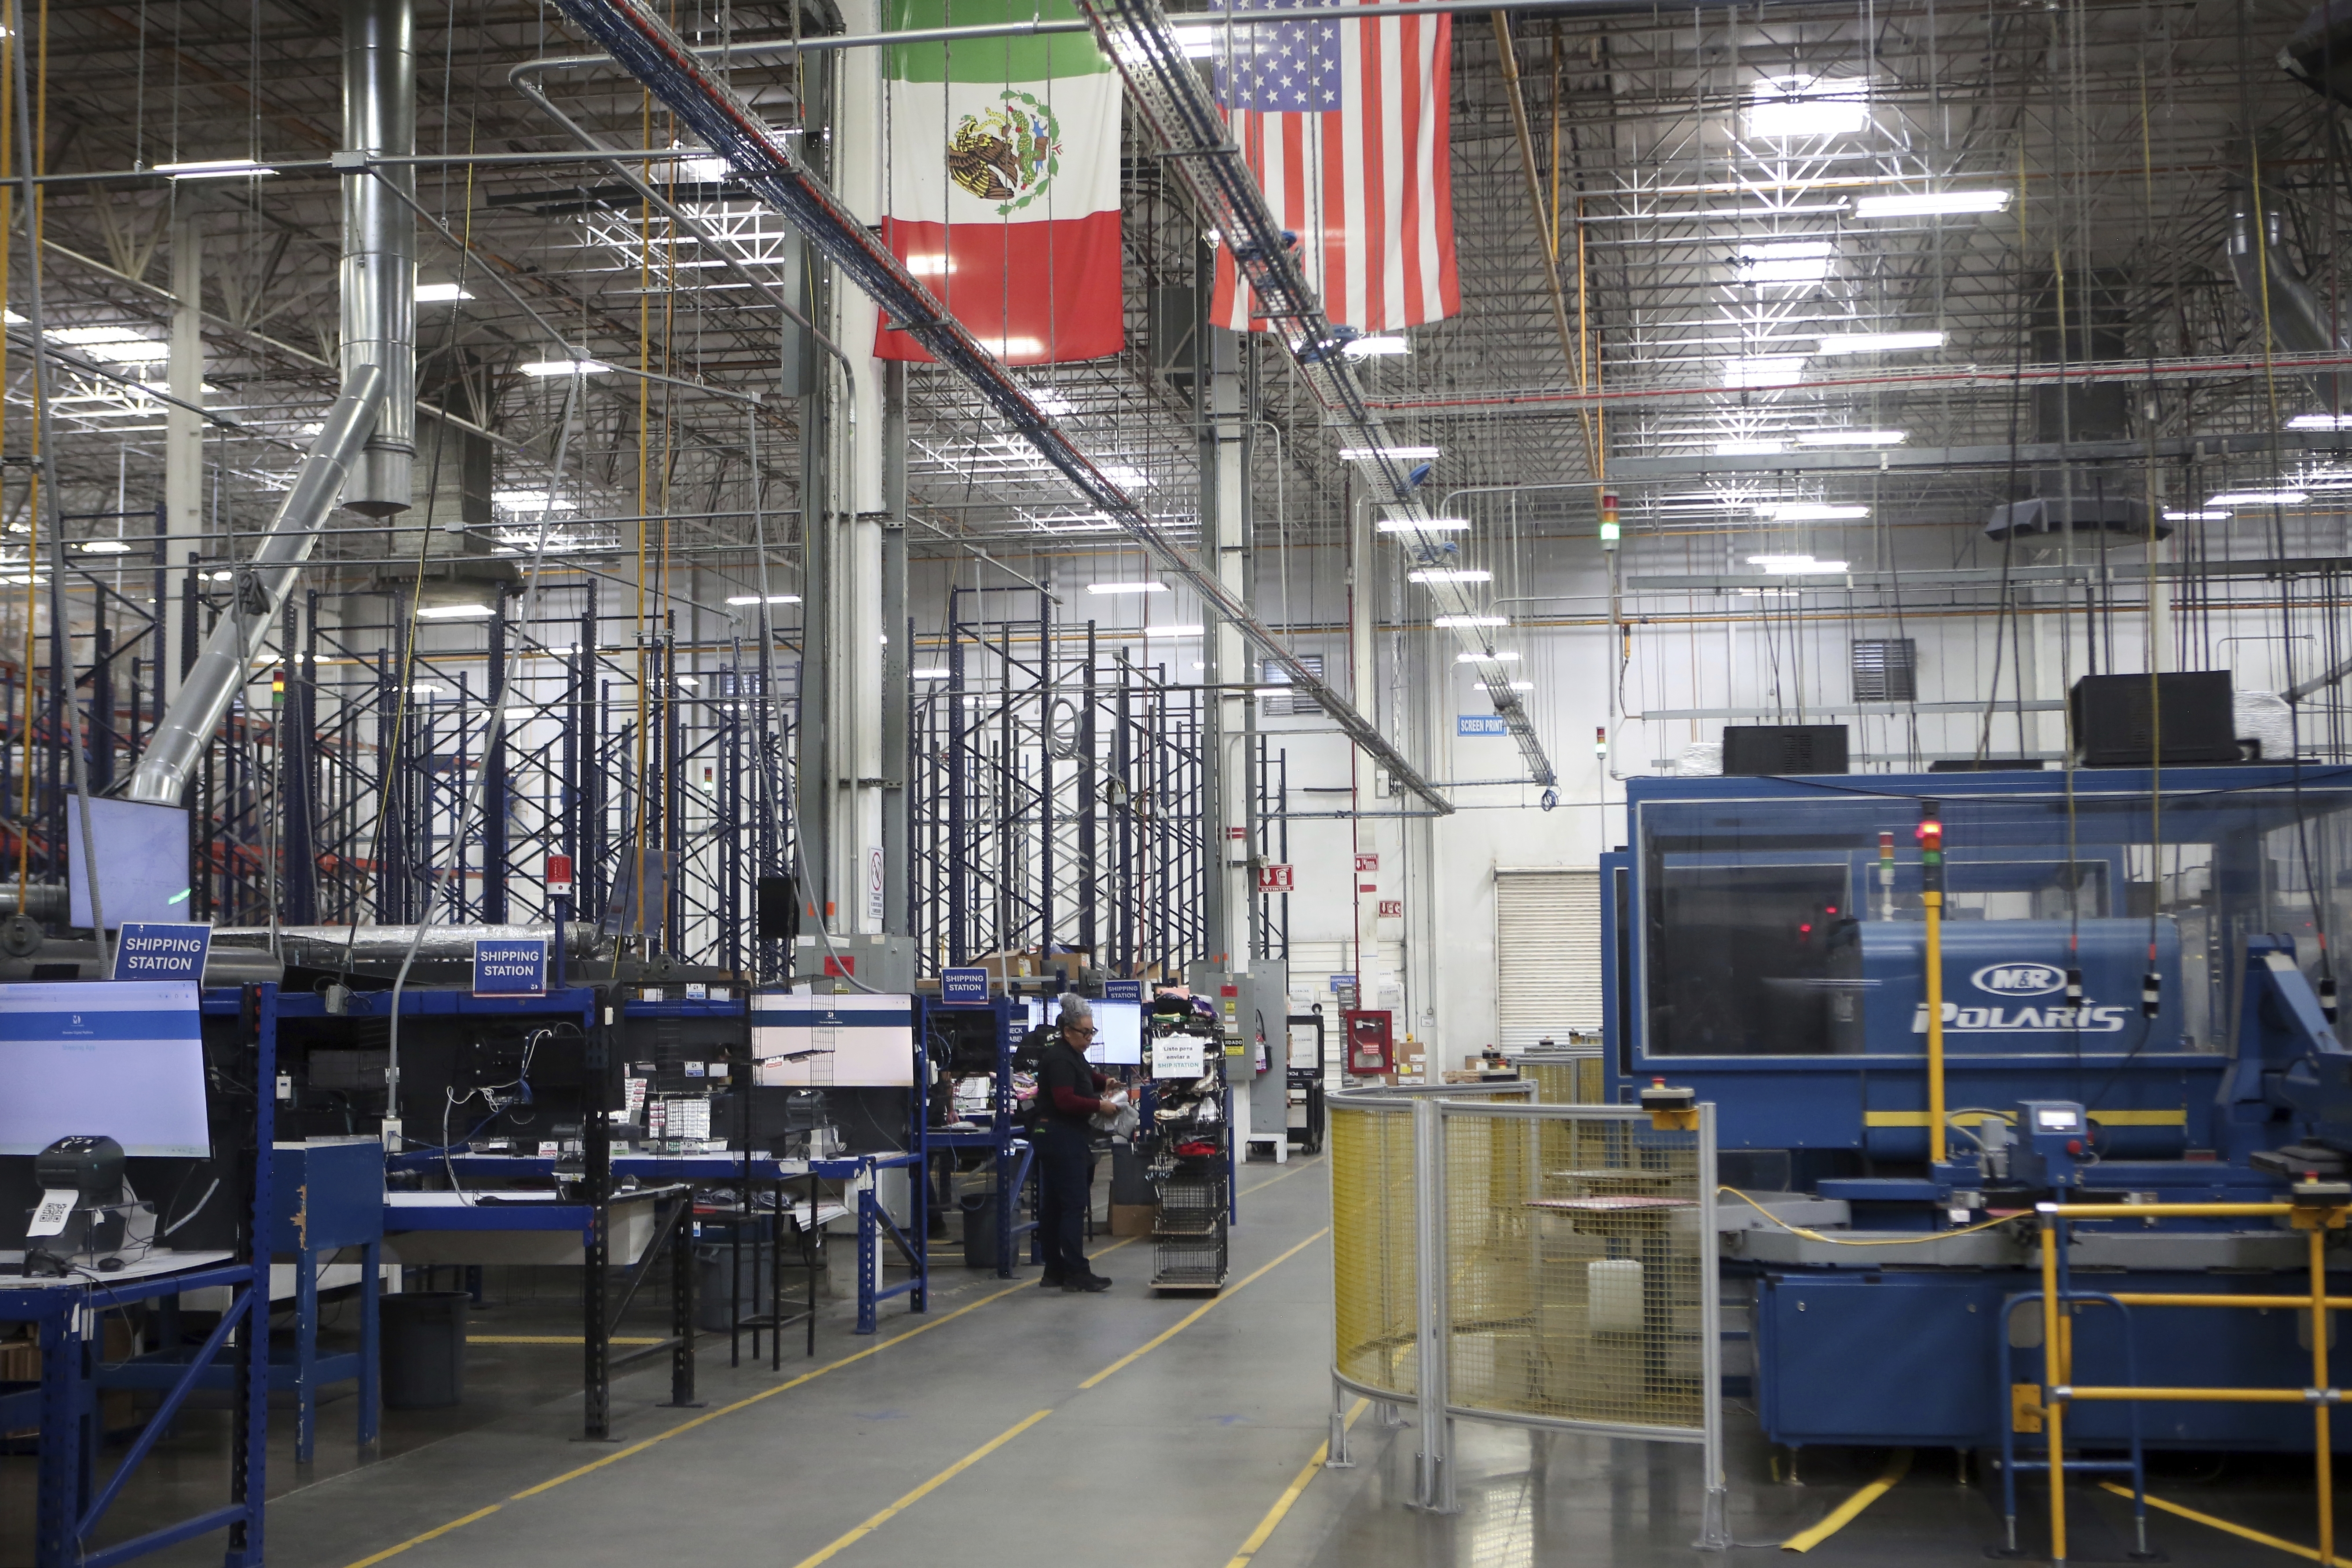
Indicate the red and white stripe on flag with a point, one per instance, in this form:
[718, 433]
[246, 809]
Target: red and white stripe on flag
[1353, 158]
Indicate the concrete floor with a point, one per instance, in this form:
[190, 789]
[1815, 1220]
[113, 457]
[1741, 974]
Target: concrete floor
[1017, 1426]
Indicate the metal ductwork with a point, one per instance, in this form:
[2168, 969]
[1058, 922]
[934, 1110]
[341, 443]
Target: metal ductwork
[262, 585]
[379, 265]
[2298, 317]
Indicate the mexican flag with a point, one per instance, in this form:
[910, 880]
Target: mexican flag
[1002, 195]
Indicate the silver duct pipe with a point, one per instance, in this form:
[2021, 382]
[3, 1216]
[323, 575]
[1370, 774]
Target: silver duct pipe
[260, 594]
[2298, 317]
[379, 265]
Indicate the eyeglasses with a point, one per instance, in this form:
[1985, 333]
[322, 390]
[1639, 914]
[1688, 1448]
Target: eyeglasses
[1068, 1031]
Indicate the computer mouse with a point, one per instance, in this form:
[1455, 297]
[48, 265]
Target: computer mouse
[110, 1266]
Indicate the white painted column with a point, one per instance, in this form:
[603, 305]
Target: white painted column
[855, 732]
[184, 431]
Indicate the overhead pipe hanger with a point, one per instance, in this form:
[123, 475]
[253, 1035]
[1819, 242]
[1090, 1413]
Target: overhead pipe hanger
[1194, 140]
[765, 163]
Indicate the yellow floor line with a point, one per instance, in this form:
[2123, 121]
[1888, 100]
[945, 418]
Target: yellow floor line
[642, 1445]
[2240, 1530]
[920, 1493]
[1292, 1493]
[1846, 1511]
[1197, 1314]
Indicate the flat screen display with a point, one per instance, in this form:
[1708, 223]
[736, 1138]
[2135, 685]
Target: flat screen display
[118, 1058]
[833, 1042]
[1119, 1034]
[143, 862]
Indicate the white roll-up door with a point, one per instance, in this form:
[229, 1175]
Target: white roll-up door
[1547, 953]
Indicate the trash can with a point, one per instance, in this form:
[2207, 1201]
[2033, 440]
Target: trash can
[425, 1350]
[979, 1229]
[718, 1309]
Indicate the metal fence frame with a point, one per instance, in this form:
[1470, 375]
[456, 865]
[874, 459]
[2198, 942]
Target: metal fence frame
[1428, 1106]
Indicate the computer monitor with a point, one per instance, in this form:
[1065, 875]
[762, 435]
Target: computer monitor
[1119, 1034]
[120, 1057]
[860, 1041]
[143, 863]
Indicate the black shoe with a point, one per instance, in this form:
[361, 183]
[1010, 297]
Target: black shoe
[1085, 1284]
[1052, 1281]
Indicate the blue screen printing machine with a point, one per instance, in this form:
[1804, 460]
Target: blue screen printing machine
[2134, 1010]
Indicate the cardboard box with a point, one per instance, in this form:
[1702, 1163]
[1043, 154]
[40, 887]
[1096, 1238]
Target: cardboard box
[1133, 1219]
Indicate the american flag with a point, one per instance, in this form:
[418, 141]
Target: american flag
[1344, 125]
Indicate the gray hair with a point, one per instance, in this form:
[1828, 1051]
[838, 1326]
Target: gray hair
[1076, 1009]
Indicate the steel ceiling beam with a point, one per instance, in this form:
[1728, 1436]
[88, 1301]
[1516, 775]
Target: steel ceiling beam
[766, 165]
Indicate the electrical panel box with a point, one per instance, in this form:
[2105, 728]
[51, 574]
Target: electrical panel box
[880, 963]
[2052, 1138]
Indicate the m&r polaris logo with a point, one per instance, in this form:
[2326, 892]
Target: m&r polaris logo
[2019, 979]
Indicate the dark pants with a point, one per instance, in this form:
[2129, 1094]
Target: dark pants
[1064, 1166]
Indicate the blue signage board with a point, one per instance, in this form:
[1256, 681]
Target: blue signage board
[1343, 983]
[1122, 990]
[510, 966]
[963, 988]
[1480, 724]
[146, 950]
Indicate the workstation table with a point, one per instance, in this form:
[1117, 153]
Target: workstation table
[64, 1402]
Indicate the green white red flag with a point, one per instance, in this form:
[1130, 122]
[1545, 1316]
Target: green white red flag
[1002, 192]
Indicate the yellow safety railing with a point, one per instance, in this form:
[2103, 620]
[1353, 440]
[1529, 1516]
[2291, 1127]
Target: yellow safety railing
[2058, 1388]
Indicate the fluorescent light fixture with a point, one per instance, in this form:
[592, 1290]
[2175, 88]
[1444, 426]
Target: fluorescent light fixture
[104, 547]
[86, 337]
[454, 612]
[1125, 476]
[1171, 631]
[136, 353]
[1794, 565]
[1880, 343]
[440, 293]
[1452, 622]
[1523, 686]
[1937, 203]
[2320, 422]
[544, 367]
[1401, 454]
[1126, 587]
[1750, 448]
[213, 169]
[1505, 657]
[927, 675]
[773, 599]
[929, 264]
[2258, 498]
[689, 681]
[704, 170]
[1810, 511]
[1204, 40]
[1450, 574]
[530, 500]
[1373, 348]
[2197, 517]
[1791, 108]
[11, 316]
[1849, 438]
[1422, 524]
[1797, 261]
[426, 688]
[1773, 370]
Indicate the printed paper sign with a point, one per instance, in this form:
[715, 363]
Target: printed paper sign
[963, 988]
[1179, 1055]
[510, 966]
[148, 951]
[1343, 983]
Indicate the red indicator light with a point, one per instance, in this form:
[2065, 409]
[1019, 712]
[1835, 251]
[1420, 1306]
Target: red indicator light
[1805, 930]
[1832, 909]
